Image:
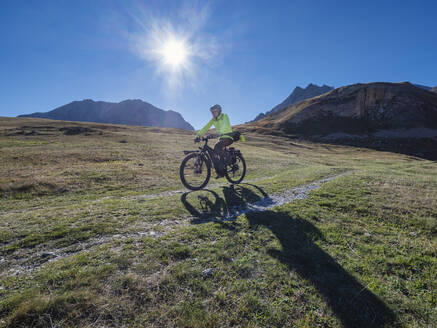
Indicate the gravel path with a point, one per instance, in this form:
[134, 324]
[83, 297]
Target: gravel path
[181, 191]
[30, 259]
[276, 199]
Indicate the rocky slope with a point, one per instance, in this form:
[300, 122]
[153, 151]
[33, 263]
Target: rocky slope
[296, 96]
[130, 112]
[434, 89]
[397, 115]
[358, 109]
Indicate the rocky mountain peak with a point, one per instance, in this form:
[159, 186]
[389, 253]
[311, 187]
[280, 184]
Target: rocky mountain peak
[397, 117]
[359, 108]
[298, 94]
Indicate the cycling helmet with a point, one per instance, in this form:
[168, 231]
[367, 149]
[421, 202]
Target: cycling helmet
[216, 108]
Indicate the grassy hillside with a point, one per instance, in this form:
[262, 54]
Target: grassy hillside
[97, 230]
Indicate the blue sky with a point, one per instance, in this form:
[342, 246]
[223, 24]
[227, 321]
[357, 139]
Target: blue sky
[249, 55]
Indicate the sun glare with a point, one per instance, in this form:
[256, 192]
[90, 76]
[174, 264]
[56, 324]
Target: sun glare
[177, 50]
[174, 53]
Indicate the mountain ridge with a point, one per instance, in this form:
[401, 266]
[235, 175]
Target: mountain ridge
[424, 87]
[298, 94]
[400, 116]
[129, 112]
[370, 101]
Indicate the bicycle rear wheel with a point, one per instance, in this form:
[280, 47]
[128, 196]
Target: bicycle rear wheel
[195, 171]
[235, 172]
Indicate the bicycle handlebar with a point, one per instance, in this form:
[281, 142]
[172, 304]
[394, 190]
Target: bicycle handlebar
[211, 136]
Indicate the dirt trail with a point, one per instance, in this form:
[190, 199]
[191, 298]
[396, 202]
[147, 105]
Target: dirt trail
[181, 191]
[278, 199]
[146, 196]
[28, 260]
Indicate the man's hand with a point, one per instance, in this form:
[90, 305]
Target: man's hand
[197, 139]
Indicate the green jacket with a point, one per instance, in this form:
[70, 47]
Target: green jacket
[221, 123]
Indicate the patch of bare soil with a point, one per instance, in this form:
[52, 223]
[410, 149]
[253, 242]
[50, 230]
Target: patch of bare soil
[74, 130]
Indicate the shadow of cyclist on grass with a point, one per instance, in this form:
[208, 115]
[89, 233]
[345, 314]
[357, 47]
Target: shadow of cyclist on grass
[353, 304]
[206, 205]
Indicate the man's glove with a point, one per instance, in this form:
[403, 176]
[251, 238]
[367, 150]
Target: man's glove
[197, 139]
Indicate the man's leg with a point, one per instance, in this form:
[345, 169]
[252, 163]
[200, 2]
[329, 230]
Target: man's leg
[219, 150]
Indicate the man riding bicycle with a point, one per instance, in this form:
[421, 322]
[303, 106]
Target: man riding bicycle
[225, 134]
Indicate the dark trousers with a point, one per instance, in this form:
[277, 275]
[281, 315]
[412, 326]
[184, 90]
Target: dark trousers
[219, 152]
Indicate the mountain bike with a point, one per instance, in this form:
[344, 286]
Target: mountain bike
[195, 169]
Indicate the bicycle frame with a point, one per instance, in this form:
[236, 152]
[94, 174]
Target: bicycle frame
[206, 150]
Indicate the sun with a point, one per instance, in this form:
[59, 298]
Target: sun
[174, 53]
[177, 50]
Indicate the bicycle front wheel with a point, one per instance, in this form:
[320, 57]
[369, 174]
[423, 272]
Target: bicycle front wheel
[195, 171]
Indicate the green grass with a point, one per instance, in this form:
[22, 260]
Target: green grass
[358, 252]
